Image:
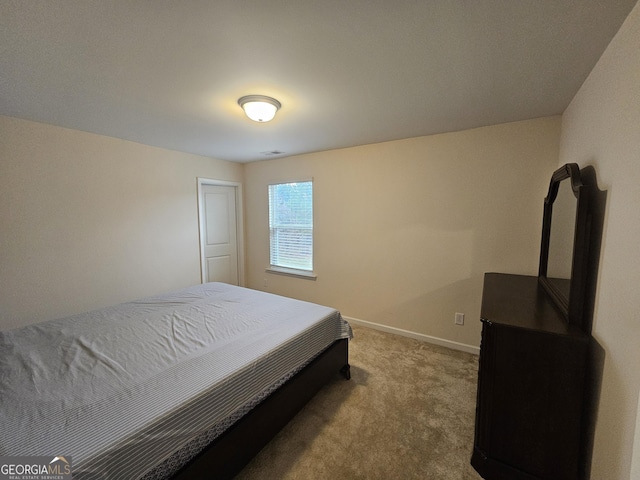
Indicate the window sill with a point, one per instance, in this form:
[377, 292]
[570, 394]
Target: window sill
[291, 272]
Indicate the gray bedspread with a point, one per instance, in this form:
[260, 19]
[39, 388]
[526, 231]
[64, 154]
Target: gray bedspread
[122, 388]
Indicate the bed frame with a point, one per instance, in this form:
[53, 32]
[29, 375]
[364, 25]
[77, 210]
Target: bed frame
[229, 453]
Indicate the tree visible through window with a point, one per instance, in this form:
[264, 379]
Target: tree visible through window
[291, 225]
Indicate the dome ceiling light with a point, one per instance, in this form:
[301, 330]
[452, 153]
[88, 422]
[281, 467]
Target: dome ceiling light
[259, 108]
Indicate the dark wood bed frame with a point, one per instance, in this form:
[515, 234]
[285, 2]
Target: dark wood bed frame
[229, 453]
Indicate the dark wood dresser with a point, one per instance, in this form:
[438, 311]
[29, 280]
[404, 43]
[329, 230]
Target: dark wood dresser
[531, 384]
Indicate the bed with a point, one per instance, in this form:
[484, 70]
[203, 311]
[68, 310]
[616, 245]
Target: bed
[189, 384]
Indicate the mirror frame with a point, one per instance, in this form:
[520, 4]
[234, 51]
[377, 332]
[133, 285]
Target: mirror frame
[573, 307]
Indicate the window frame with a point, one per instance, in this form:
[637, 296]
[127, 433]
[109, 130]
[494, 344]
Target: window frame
[292, 271]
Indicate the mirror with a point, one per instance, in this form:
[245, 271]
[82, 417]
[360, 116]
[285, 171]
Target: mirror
[564, 249]
[563, 221]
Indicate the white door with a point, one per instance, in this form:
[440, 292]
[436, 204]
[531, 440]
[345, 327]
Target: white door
[218, 234]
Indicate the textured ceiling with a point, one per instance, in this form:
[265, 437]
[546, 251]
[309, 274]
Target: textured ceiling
[169, 73]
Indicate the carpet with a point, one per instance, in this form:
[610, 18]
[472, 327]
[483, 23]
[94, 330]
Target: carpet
[407, 412]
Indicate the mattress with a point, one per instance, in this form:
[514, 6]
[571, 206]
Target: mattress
[121, 389]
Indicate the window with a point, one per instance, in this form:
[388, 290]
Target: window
[291, 226]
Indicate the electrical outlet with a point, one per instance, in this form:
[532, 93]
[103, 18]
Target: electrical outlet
[459, 318]
[265, 284]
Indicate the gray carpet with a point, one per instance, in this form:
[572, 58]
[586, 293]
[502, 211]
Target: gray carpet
[407, 412]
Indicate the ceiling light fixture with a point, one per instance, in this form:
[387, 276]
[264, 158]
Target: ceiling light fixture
[259, 108]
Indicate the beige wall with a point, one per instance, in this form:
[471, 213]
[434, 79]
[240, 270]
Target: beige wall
[601, 127]
[88, 221]
[405, 230]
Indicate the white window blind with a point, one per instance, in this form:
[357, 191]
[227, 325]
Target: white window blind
[291, 225]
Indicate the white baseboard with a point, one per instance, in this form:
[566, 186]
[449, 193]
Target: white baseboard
[417, 336]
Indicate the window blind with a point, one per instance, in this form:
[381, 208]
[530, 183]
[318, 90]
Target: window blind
[291, 225]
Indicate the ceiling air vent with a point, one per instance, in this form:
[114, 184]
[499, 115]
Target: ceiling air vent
[271, 153]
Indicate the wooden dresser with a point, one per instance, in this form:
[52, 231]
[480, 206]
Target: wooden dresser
[531, 385]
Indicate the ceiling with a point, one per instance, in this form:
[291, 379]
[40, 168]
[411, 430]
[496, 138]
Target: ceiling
[169, 73]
